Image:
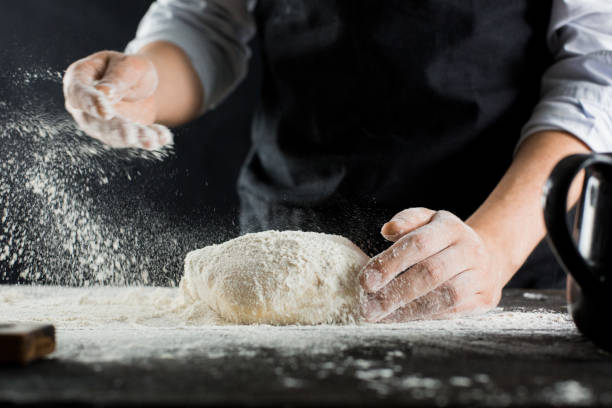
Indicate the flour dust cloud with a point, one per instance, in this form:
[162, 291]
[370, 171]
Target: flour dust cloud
[75, 212]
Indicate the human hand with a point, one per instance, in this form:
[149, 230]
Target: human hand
[437, 268]
[111, 97]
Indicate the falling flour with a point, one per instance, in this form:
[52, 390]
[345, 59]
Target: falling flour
[75, 212]
[278, 277]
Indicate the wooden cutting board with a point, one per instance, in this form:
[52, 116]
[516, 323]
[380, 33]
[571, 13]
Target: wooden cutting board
[22, 343]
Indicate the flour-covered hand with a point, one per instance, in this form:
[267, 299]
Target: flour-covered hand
[438, 267]
[111, 97]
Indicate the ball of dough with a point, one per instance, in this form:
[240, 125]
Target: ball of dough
[278, 277]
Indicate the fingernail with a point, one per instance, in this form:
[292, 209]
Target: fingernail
[372, 278]
[389, 229]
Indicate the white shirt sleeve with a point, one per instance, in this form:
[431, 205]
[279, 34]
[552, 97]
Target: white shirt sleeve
[213, 33]
[576, 94]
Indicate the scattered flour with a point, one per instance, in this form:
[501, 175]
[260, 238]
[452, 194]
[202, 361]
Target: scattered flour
[103, 324]
[278, 277]
[75, 212]
[534, 296]
[53, 230]
[105, 315]
[374, 374]
[460, 381]
[570, 393]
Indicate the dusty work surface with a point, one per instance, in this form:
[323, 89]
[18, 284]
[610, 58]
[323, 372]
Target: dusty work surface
[124, 346]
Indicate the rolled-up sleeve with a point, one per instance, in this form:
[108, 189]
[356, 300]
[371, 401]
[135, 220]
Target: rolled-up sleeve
[576, 94]
[213, 33]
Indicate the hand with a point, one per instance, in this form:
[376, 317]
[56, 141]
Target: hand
[438, 267]
[111, 97]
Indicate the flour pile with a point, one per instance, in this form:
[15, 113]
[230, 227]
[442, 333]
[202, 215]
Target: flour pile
[288, 277]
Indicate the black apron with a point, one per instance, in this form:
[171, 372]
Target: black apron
[371, 107]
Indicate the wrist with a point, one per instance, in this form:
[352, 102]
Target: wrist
[178, 96]
[503, 258]
[511, 220]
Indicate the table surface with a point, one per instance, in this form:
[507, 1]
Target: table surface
[525, 353]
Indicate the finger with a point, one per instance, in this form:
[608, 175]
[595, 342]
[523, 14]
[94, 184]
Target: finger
[90, 69]
[405, 222]
[152, 137]
[452, 294]
[142, 112]
[78, 85]
[411, 249]
[122, 133]
[90, 100]
[128, 78]
[417, 281]
[111, 132]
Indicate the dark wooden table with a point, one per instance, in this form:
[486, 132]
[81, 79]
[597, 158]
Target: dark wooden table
[507, 368]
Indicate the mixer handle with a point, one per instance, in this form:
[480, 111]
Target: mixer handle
[555, 217]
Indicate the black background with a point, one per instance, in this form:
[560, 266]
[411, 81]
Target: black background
[54, 34]
[191, 195]
[193, 192]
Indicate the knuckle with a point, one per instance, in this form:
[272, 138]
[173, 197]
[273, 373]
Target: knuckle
[419, 241]
[447, 217]
[396, 294]
[450, 295]
[432, 270]
[146, 138]
[73, 68]
[425, 305]
[83, 118]
[391, 299]
[134, 134]
[412, 311]
[403, 314]
[124, 131]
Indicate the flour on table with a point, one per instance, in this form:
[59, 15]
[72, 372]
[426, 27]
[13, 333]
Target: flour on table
[274, 277]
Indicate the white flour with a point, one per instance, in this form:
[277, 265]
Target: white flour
[52, 229]
[278, 277]
[138, 311]
[75, 212]
[571, 392]
[99, 325]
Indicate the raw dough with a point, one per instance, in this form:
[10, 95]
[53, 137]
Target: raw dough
[288, 277]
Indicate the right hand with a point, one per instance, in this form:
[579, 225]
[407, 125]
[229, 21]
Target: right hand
[111, 97]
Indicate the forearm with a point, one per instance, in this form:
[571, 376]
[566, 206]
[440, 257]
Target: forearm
[179, 95]
[511, 220]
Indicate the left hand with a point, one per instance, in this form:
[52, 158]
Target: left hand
[438, 267]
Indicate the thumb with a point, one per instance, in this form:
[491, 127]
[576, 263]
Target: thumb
[406, 221]
[128, 78]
